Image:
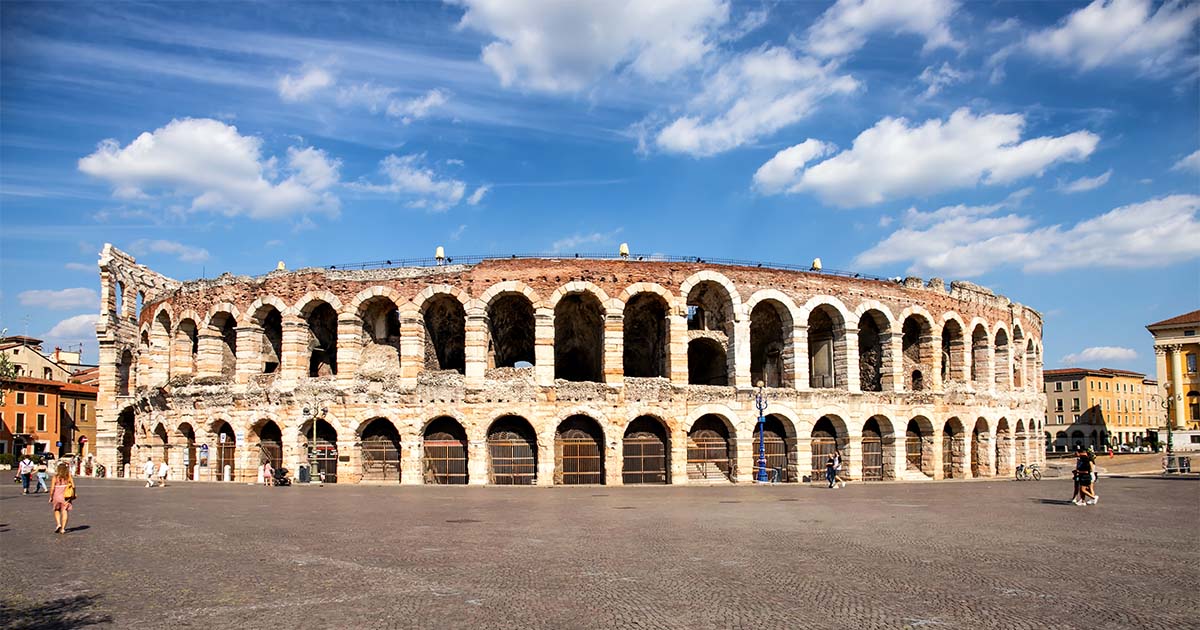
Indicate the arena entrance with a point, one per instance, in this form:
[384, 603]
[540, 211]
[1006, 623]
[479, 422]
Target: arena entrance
[952, 449]
[380, 451]
[512, 452]
[918, 446]
[826, 438]
[980, 464]
[125, 451]
[225, 451]
[444, 454]
[322, 452]
[578, 452]
[872, 451]
[780, 449]
[270, 444]
[709, 450]
[646, 452]
[188, 436]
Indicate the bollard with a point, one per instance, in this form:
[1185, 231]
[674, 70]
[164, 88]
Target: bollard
[228, 472]
[126, 471]
[196, 472]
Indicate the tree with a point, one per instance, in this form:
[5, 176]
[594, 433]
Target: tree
[8, 372]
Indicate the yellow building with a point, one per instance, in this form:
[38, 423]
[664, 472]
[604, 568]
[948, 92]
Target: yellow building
[1098, 408]
[1177, 350]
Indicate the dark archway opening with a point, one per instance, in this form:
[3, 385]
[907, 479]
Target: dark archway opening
[512, 452]
[645, 335]
[578, 452]
[872, 451]
[271, 345]
[124, 367]
[770, 346]
[979, 355]
[871, 344]
[226, 327]
[322, 340]
[952, 349]
[445, 334]
[444, 456]
[707, 364]
[780, 449]
[980, 462]
[710, 450]
[918, 453]
[226, 451]
[380, 451]
[322, 452]
[270, 444]
[511, 328]
[189, 454]
[579, 338]
[826, 439]
[187, 344]
[125, 439]
[646, 450]
[952, 450]
[823, 333]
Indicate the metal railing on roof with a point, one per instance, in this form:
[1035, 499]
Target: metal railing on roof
[475, 259]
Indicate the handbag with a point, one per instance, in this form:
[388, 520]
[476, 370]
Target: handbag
[69, 492]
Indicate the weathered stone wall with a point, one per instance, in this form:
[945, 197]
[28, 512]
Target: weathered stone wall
[396, 327]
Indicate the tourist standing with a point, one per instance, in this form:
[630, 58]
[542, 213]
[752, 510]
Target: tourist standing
[62, 494]
[268, 472]
[25, 470]
[831, 468]
[837, 468]
[148, 471]
[163, 470]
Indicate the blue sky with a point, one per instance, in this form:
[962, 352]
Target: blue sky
[1050, 151]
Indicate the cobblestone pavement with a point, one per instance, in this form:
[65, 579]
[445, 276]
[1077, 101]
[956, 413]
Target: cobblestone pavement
[948, 555]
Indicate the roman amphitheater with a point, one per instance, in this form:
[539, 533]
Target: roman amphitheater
[571, 370]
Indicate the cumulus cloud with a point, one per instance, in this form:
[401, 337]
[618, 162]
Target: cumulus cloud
[1121, 33]
[937, 78]
[895, 159]
[845, 27]
[420, 107]
[302, 87]
[378, 98]
[184, 253]
[966, 241]
[1189, 163]
[555, 46]
[780, 171]
[219, 169]
[571, 243]
[750, 96]
[77, 327]
[1084, 184]
[410, 177]
[1100, 353]
[62, 299]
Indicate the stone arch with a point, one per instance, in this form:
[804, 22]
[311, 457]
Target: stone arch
[379, 449]
[875, 350]
[512, 451]
[511, 324]
[185, 436]
[707, 362]
[1004, 451]
[953, 348]
[160, 340]
[918, 446]
[222, 348]
[124, 372]
[980, 449]
[878, 452]
[444, 451]
[575, 287]
[266, 313]
[223, 451]
[828, 435]
[917, 351]
[826, 343]
[443, 312]
[775, 440]
[318, 436]
[357, 308]
[186, 340]
[772, 360]
[579, 333]
[1002, 356]
[313, 299]
[266, 438]
[953, 449]
[579, 451]
[648, 287]
[646, 451]
[321, 323]
[712, 448]
[708, 275]
[379, 316]
[646, 333]
[981, 344]
[1022, 441]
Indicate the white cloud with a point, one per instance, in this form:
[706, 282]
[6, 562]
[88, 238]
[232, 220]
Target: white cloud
[477, 196]
[74, 266]
[1189, 163]
[751, 96]
[185, 253]
[61, 299]
[571, 243]
[77, 327]
[1122, 32]
[845, 27]
[220, 169]
[968, 241]
[780, 171]
[940, 77]
[556, 46]
[304, 86]
[1100, 353]
[410, 177]
[377, 98]
[894, 159]
[374, 97]
[420, 107]
[458, 232]
[1084, 184]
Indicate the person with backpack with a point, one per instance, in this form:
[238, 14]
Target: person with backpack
[40, 476]
[25, 471]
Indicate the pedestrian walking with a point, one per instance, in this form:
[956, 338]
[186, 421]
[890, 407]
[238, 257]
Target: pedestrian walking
[268, 473]
[163, 470]
[62, 495]
[25, 470]
[40, 475]
[148, 472]
[1091, 454]
[837, 467]
[831, 468]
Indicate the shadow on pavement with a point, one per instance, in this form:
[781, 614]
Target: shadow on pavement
[58, 614]
[1053, 501]
[78, 528]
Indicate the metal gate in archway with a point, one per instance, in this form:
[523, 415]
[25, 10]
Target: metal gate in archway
[445, 462]
[912, 451]
[822, 447]
[708, 458]
[225, 457]
[872, 457]
[380, 458]
[776, 449]
[513, 462]
[948, 459]
[645, 460]
[323, 461]
[581, 460]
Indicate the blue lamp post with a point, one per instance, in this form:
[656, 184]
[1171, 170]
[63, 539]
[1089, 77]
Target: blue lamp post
[760, 401]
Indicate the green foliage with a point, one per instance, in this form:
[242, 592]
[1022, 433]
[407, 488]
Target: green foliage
[6, 459]
[8, 371]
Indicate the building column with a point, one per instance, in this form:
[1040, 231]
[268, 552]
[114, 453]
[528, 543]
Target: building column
[894, 349]
[1178, 417]
[412, 347]
[349, 348]
[543, 347]
[249, 352]
[294, 348]
[935, 366]
[678, 457]
[477, 465]
[411, 451]
[476, 347]
[853, 377]
[613, 368]
[677, 343]
[745, 457]
[739, 352]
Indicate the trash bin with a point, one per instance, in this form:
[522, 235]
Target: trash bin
[303, 475]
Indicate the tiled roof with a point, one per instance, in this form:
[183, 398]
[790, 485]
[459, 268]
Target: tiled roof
[1186, 318]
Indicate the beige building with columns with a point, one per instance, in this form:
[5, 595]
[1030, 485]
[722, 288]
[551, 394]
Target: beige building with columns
[1176, 352]
[555, 370]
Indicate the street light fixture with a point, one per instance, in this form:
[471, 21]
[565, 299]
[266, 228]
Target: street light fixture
[1166, 404]
[760, 402]
[314, 411]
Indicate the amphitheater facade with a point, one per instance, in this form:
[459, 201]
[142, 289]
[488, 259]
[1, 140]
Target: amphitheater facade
[548, 371]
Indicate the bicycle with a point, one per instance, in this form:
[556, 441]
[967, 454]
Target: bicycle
[1026, 473]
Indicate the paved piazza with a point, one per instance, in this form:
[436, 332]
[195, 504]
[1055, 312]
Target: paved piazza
[998, 554]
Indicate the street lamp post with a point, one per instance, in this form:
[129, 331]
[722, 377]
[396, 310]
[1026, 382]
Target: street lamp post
[1166, 404]
[760, 402]
[313, 411]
